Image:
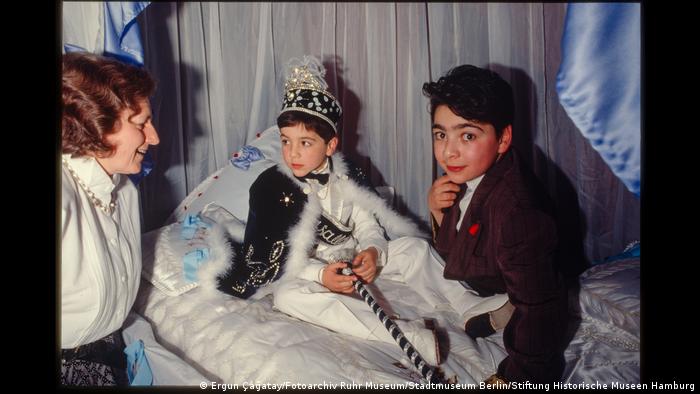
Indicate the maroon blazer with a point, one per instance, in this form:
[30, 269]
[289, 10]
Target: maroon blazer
[506, 244]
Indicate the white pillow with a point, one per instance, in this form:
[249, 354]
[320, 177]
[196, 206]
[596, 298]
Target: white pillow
[228, 187]
[610, 294]
[164, 251]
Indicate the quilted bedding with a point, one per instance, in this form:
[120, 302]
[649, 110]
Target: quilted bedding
[234, 341]
[605, 348]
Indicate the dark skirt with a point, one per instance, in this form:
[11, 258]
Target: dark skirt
[99, 363]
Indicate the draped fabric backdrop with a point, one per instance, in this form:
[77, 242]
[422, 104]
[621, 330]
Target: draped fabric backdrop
[220, 67]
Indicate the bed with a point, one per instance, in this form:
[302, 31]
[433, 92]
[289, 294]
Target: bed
[237, 342]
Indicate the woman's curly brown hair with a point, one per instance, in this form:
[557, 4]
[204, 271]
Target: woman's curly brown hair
[95, 91]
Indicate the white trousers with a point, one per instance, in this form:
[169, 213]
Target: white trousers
[410, 260]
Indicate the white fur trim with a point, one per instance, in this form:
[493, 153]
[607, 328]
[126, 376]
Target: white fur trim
[221, 255]
[302, 235]
[387, 217]
[218, 214]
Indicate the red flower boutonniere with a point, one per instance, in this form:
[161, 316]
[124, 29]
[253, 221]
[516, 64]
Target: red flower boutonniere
[474, 229]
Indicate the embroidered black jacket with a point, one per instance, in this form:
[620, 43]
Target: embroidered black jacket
[275, 206]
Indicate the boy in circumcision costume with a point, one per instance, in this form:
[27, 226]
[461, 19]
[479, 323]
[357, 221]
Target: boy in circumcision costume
[307, 212]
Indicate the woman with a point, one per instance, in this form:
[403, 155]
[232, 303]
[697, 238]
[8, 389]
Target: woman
[106, 130]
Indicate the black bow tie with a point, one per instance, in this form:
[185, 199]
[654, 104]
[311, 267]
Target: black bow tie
[321, 178]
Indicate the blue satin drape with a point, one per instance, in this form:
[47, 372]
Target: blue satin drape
[599, 82]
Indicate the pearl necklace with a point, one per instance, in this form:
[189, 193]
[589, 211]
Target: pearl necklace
[108, 209]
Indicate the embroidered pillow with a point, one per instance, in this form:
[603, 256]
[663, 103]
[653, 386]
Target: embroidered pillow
[173, 255]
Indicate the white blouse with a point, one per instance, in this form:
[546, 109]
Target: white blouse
[100, 253]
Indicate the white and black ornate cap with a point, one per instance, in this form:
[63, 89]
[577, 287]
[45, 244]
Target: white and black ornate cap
[305, 90]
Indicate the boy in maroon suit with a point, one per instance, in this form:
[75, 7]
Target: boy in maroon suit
[493, 223]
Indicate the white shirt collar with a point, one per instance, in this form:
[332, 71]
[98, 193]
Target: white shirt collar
[324, 170]
[466, 200]
[471, 185]
[91, 172]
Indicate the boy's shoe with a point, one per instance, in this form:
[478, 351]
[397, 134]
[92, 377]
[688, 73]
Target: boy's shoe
[479, 326]
[424, 340]
[486, 324]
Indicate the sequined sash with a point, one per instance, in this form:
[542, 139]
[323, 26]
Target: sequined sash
[331, 231]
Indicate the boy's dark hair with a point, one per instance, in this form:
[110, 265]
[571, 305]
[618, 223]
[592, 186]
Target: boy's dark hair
[311, 122]
[475, 94]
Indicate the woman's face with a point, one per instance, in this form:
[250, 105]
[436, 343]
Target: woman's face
[131, 141]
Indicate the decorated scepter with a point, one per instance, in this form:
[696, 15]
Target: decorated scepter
[425, 369]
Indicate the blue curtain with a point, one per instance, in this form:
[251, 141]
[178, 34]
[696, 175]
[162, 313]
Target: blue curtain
[599, 82]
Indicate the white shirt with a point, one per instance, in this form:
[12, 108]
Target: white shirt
[467, 198]
[100, 254]
[366, 232]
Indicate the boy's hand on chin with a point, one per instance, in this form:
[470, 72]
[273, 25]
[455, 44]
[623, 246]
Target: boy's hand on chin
[442, 194]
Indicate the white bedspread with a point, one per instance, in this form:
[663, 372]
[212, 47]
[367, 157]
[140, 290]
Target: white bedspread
[236, 341]
[229, 340]
[606, 345]
[166, 368]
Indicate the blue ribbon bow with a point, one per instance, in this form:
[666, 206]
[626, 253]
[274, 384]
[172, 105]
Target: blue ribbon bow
[138, 369]
[192, 261]
[190, 225]
[247, 155]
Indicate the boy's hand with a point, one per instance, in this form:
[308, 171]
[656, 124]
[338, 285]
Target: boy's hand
[365, 264]
[336, 282]
[442, 194]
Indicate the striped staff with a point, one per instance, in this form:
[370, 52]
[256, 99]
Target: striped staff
[423, 367]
